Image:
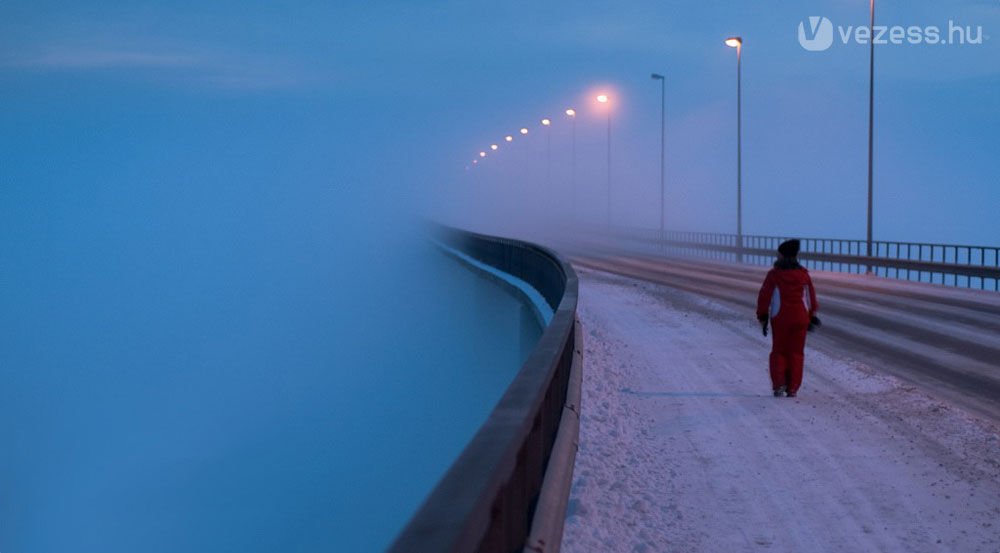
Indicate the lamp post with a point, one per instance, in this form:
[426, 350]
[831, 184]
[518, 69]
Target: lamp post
[663, 135]
[603, 99]
[525, 171]
[571, 113]
[737, 42]
[546, 122]
[871, 122]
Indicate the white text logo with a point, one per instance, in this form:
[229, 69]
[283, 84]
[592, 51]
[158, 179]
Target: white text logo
[816, 34]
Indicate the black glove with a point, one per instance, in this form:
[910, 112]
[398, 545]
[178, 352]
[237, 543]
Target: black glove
[814, 323]
[763, 323]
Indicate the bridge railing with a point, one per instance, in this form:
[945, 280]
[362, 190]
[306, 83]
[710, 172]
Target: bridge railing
[965, 266]
[485, 502]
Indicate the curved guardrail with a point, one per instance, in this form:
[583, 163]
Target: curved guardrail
[486, 500]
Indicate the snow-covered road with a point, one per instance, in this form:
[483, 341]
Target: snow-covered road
[683, 448]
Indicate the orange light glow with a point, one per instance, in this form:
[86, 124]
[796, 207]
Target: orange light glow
[734, 42]
[546, 122]
[524, 131]
[603, 98]
[509, 138]
[571, 112]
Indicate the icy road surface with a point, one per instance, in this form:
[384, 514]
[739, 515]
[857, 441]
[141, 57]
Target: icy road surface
[683, 448]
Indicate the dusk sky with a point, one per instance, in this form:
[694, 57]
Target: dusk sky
[395, 98]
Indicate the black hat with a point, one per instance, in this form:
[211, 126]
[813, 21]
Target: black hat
[789, 248]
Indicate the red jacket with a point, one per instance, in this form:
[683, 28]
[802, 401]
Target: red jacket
[795, 300]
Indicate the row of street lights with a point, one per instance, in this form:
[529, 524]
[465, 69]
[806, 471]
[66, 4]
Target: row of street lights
[733, 42]
[605, 99]
[546, 122]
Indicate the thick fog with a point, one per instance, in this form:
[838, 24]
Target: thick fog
[221, 325]
[220, 333]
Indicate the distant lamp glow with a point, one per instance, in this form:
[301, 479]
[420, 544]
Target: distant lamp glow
[571, 112]
[475, 161]
[734, 42]
[509, 138]
[494, 147]
[603, 99]
[524, 131]
[482, 154]
[546, 122]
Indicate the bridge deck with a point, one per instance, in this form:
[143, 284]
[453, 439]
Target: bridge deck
[941, 339]
[684, 449]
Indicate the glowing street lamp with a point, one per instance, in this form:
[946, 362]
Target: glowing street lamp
[546, 122]
[509, 138]
[663, 138]
[494, 147]
[482, 154]
[737, 42]
[603, 99]
[571, 113]
[524, 130]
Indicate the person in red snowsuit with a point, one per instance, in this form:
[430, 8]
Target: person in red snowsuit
[788, 299]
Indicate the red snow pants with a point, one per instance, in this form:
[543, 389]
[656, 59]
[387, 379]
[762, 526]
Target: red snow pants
[787, 354]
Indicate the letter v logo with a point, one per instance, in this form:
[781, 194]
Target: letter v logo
[817, 34]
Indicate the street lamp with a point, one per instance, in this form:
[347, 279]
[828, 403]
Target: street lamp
[603, 99]
[571, 113]
[546, 122]
[482, 154]
[737, 42]
[663, 135]
[871, 123]
[524, 130]
[509, 138]
[494, 147]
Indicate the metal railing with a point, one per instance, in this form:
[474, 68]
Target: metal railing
[957, 265]
[485, 502]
